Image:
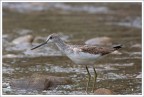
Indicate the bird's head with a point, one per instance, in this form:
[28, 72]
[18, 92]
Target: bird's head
[51, 38]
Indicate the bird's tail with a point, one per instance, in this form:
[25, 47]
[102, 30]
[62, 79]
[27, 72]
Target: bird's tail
[116, 47]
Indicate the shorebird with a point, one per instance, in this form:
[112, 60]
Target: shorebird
[81, 54]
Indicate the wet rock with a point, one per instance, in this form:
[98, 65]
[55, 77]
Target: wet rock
[136, 46]
[21, 43]
[39, 82]
[139, 76]
[5, 85]
[99, 41]
[10, 56]
[27, 39]
[7, 90]
[116, 53]
[103, 91]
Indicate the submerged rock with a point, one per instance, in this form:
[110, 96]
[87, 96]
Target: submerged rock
[103, 91]
[5, 85]
[99, 41]
[39, 82]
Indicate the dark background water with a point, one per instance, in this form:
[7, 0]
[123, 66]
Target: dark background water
[76, 23]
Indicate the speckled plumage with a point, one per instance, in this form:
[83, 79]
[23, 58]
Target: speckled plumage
[96, 50]
[81, 54]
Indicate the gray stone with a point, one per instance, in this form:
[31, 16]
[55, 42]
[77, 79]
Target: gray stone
[99, 41]
[39, 82]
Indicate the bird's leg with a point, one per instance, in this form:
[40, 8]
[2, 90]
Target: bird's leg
[95, 77]
[89, 77]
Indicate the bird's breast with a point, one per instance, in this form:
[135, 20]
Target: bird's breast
[83, 58]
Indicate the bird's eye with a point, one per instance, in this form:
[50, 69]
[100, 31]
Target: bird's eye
[50, 38]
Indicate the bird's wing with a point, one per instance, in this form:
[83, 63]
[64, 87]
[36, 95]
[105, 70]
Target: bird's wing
[96, 50]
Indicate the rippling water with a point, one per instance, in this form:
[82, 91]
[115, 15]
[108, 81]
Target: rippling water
[76, 23]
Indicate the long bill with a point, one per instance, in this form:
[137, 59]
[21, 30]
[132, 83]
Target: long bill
[39, 45]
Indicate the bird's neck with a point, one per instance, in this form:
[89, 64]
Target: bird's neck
[61, 45]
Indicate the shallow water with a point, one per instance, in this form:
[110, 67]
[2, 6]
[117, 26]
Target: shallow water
[76, 23]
